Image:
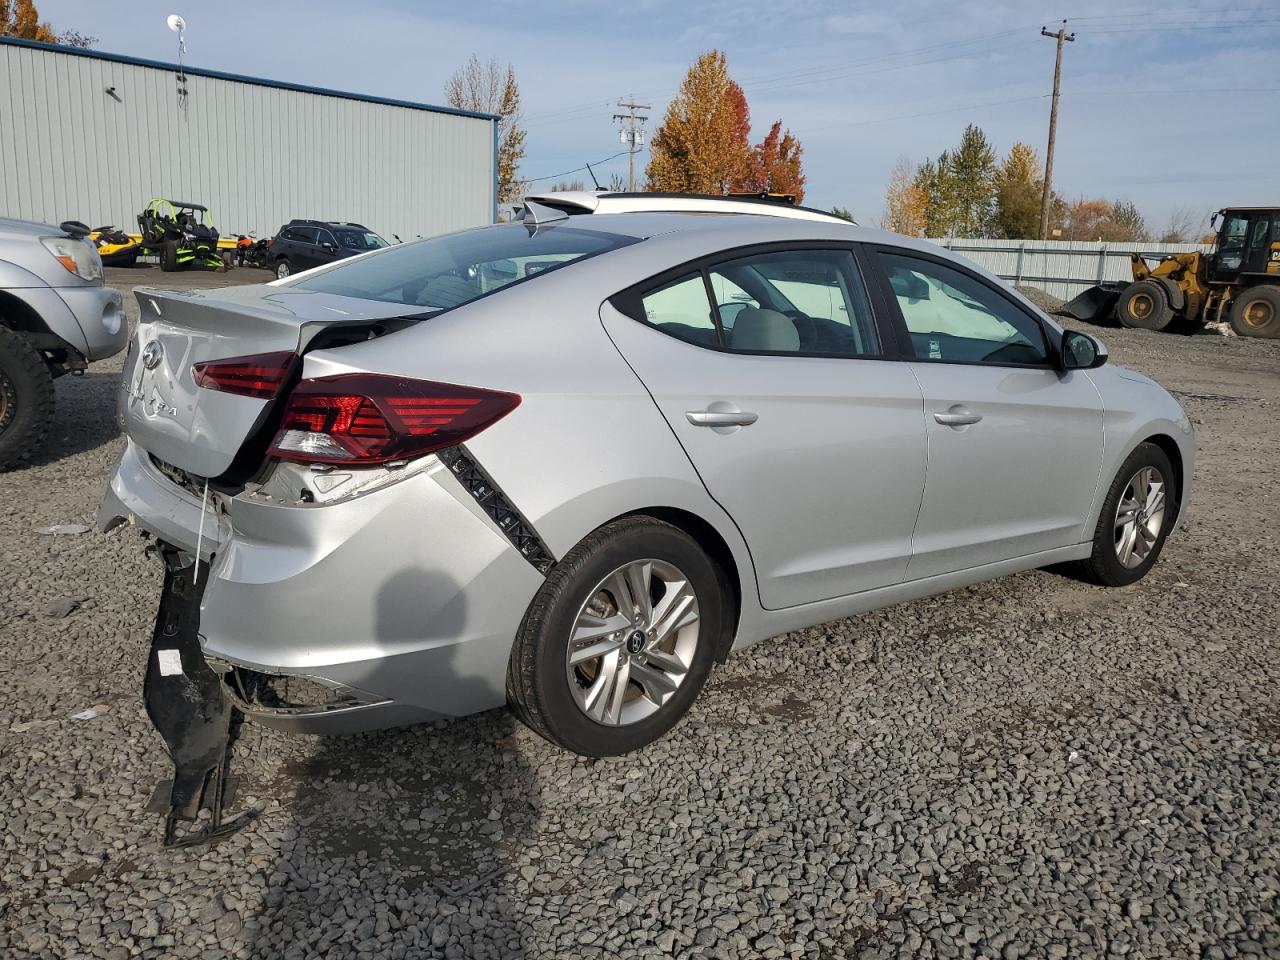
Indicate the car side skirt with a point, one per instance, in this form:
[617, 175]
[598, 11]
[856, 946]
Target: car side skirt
[763, 624]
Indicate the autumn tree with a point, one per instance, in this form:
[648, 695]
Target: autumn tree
[19, 18]
[741, 115]
[697, 148]
[1128, 222]
[1184, 223]
[774, 165]
[22, 20]
[904, 201]
[933, 187]
[487, 88]
[1103, 220]
[1019, 189]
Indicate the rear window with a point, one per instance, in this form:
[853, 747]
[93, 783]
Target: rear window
[358, 240]
[448, 271]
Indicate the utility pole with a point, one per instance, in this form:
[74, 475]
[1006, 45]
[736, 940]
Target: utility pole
[1062, 37]
[632, 136]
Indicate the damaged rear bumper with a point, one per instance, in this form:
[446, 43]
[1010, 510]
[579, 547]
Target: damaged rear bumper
[385, 608]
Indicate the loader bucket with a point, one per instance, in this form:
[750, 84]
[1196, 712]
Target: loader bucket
[1095, 304]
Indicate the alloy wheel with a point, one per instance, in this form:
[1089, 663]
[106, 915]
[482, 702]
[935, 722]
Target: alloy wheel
[633, 642]
[1139, 517]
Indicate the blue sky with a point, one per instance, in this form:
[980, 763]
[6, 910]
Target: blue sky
[1171, 110]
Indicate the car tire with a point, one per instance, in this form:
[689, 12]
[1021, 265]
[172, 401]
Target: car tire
[169, 255]
[283, 268]
[1144, 305]
[554, 696]
[1123, 552]
[1256, 313]
[26, 399]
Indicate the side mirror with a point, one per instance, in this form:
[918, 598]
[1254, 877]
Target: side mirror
[329, 246]
[1081, 351]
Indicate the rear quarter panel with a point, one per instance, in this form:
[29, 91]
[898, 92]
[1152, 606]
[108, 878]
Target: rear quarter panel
[586, 445]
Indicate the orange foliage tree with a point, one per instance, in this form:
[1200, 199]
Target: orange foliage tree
[774, 164]
[695, 149]
[22, 20]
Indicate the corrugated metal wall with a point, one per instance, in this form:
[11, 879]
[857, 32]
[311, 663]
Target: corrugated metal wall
[256, 155]
[1062, 268]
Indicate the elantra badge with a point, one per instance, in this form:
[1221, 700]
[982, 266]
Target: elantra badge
[152, 354]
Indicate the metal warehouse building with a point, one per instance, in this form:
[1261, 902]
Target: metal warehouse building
[92, 136]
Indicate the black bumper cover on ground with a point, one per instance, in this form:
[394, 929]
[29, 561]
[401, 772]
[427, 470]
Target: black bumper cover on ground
[189, 708]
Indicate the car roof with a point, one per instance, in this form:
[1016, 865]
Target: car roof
[728, 229]
[575, 202]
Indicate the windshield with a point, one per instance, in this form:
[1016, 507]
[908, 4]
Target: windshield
[448, 271]
[360, 240]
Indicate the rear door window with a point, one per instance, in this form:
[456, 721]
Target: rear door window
[796, 301]
[680, 308]
[355, 240]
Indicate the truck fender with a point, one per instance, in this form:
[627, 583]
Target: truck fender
[39, 313]
[1177, 296]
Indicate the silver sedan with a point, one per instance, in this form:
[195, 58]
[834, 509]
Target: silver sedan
[570, 464]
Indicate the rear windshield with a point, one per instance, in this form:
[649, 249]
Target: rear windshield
[448, 271]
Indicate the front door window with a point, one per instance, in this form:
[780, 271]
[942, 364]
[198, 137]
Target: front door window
[1231, 247]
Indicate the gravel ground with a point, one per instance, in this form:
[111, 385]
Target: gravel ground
[1032, 767]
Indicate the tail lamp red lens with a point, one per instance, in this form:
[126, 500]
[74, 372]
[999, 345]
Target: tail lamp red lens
[366, 418]
[259, 375]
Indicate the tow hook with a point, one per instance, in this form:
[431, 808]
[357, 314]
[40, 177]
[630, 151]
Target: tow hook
[188, 706]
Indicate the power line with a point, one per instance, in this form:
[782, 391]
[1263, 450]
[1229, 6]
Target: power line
[928, 113]
[1184, 28]
[593, 163]
[766, 81]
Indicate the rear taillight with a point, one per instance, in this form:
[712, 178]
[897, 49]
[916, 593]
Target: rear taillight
[257, 376]
[365, 418]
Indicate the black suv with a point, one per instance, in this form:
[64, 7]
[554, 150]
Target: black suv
[303, 244]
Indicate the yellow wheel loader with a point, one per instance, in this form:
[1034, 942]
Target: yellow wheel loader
[1239, 281]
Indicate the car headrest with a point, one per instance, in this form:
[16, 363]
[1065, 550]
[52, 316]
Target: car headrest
[758, 328]
[908, 284]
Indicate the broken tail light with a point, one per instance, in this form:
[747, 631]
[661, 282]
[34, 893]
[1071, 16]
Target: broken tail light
[366, 418]
[259, 375]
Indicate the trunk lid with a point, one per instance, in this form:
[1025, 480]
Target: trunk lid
[200, 430]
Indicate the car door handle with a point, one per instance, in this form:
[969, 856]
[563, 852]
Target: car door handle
[957, 416]
[721, 418]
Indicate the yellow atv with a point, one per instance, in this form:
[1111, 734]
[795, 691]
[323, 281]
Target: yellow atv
[115, 247]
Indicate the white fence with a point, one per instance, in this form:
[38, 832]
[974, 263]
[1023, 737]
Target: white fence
[1061, 268]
